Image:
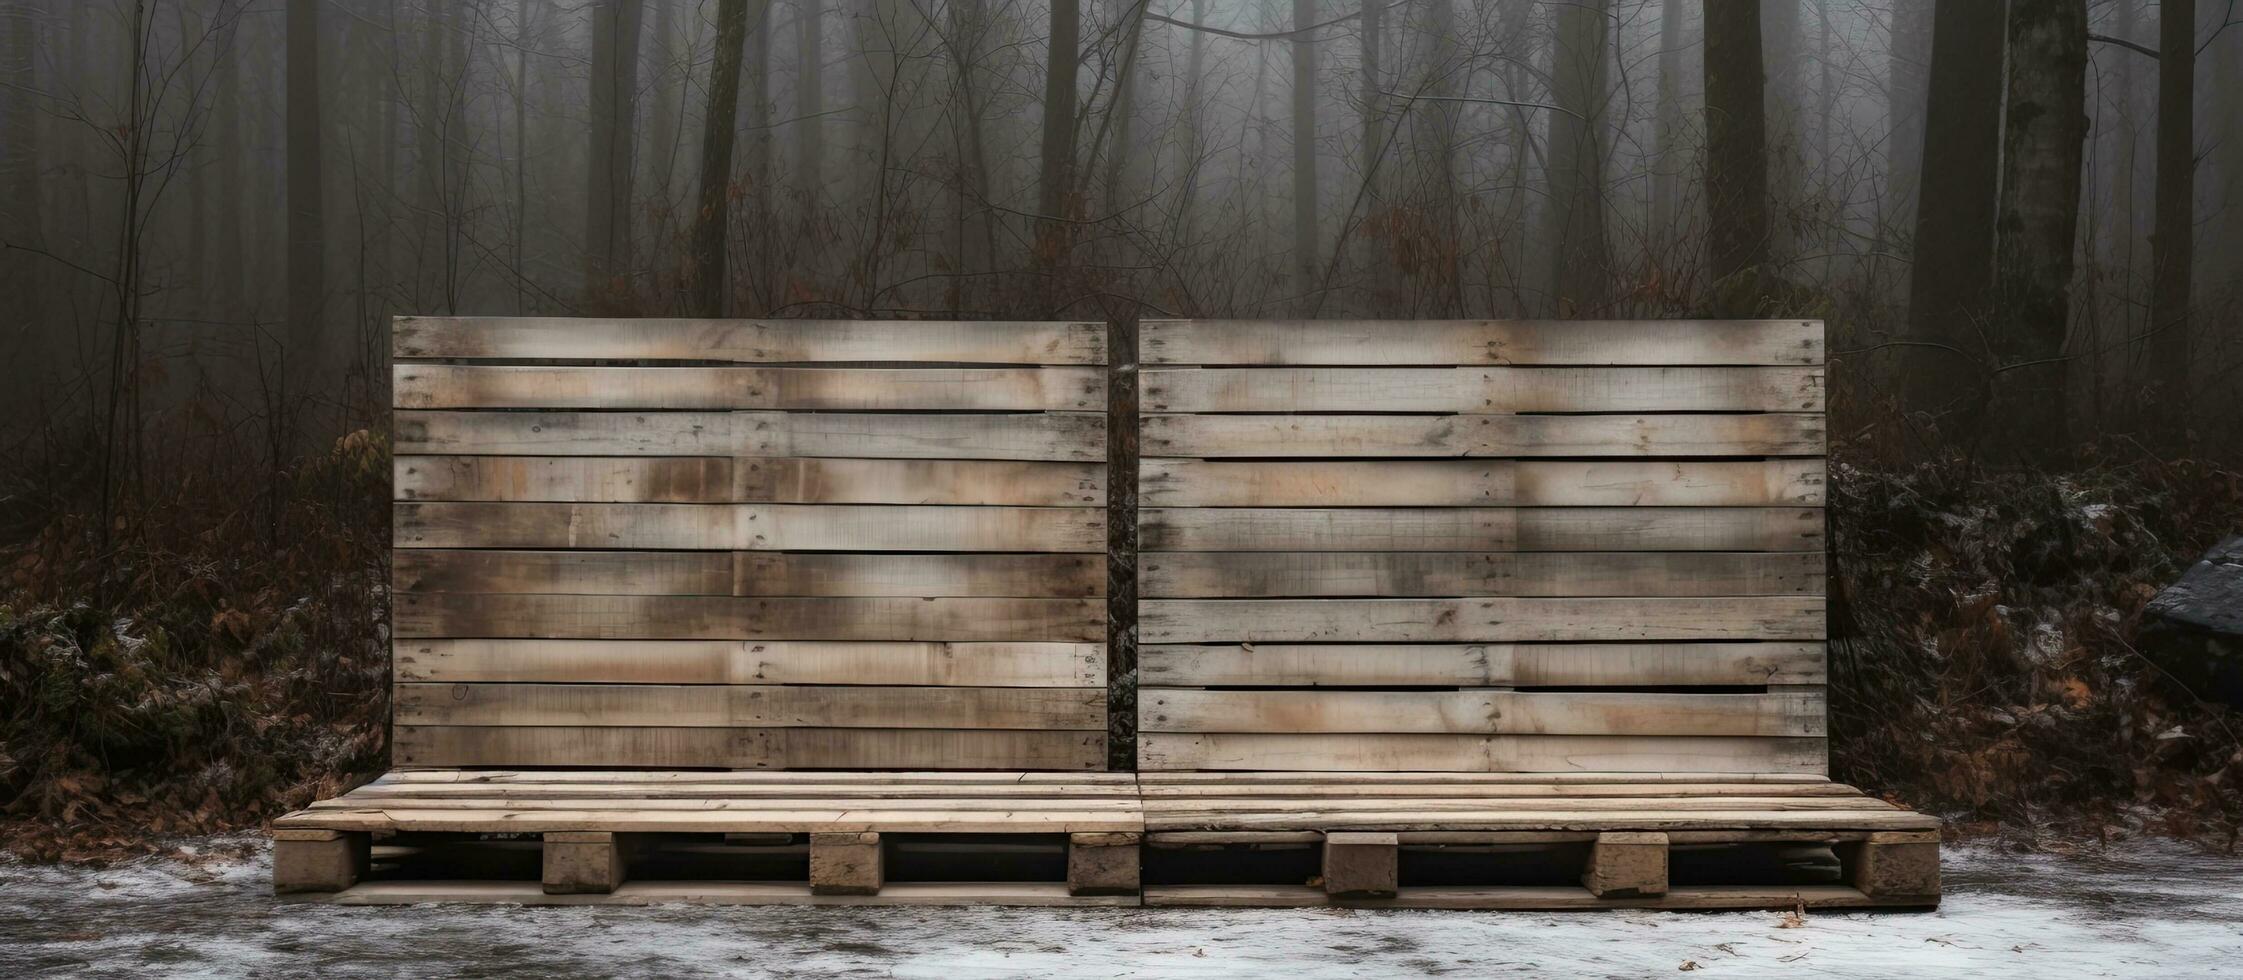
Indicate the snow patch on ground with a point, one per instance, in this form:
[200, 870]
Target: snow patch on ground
[2139, 909]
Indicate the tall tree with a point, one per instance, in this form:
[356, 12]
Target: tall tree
[19, 153]
[1669, 120]
[307, 213]
[1304, 142]
[1736, 153]
[1907, 64]
[1783, 72]
[1056, 172]
[809, 99]
[2043, 136]
[2172, 247]
[711, 216]
[1951, 281]
[1581, 258]
[614, 130]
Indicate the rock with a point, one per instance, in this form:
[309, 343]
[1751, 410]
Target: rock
[2194, 629]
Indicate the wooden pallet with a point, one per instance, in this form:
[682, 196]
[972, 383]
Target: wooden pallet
[1375, 839]
[750, 544]
[1503, 546]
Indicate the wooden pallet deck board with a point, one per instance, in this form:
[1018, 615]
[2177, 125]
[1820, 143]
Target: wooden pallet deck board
[747, 480]
[961, 664]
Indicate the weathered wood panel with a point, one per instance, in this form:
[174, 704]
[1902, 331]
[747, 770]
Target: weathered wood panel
[749, 527]
[1234, 574]
[529, 661]
[1482, 389]
[749, 341]
[747, 748]
[1482, 712]
[710, 705]
[1482, 483]
[1499, 619]
[1482, 529]
[1391, 436]
[421, 386]
[748, 573]
[1482, 665]
[1075, 436]
[749, 480]
[1473, 342]
[1479, 753]
[678, 617]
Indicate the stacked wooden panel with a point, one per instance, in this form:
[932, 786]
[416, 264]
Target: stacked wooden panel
[1520, 546]
[750, 544]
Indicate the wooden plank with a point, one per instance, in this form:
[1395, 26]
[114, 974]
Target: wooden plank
[751, 662]
[1280, 436]
[979, 795]
[747, 573]
[1077, 436]
[752, 527]
[1475, 529]
[532, 807]
[1482, 665]
[733, 618]
[1166, 709]
[745, 706]
[748, 748]
[1451, 342]
[1433, 778]
[1481, 483]
[1476, 619]
[1010, 894]
[750, 341]
[1517, 898]
[749, 479]
[1247, 795]
[1481, 389]
[1479, 753]
[1188, 574]
[1080, 389]
[933, 781]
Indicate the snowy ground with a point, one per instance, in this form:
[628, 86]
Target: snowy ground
[2143, 909]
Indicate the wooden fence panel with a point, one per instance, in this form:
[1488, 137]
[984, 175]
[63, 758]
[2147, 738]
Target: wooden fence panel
[755, 544]
[1525, 546]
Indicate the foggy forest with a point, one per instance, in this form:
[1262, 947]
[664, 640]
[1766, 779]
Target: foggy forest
[2022, 222]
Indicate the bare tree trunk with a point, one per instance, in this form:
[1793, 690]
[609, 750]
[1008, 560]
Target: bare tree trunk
[711, 217]
[1782, 69]
[1056, 172]
[1304, 144]
[666, 120]
[1909, 67]
[19, 153]
[615, 62]
[810, 99]
[1120, 151]
[307, 237]
[1374, 90]
[1195, 136]
[1582, 269]
[1952, 279]
[1667, 158]
[976, 233]
[2172, 245]
[2044, 132]
[1736, 154]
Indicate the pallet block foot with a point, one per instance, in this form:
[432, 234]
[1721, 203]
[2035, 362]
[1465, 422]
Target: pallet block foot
[845, 864]
[318, 860]
[1627, 865]
[1103, 864]
[585, 862]
[1361, 865]
[1895, 865]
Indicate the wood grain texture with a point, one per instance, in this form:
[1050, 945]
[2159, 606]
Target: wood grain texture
[743, 706]
[1481, 483]
[1477, 753]
[1488, 390]
[1474, 342]
[1480, 712]
[1233, 574]
[422, 386]
[1071, 436]
[441, 615]
[747, 748]
[1003, 664]
[1478, 620]
[749, 527]
[747, 573]
[749, 479]
[750, 341]
[1341, 436]
[1482, 665]
[1473, 529]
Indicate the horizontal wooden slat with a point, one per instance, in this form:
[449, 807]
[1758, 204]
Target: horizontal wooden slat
[934, 782]
[1018, 664]
[749, 527]
[1482, 389]
[1081, 389]
[1451, 342]
[749, 479]
[729, 618]
[747, 573]
[1482, 529]
[1486, 664]
[1477, 619]
[1480, 753]
[1279, 436]
[711, 705]
[1481, 483]
[1233, 574]
[747, 748]
[751, 341]
[1076, 436]
[1479, 712]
